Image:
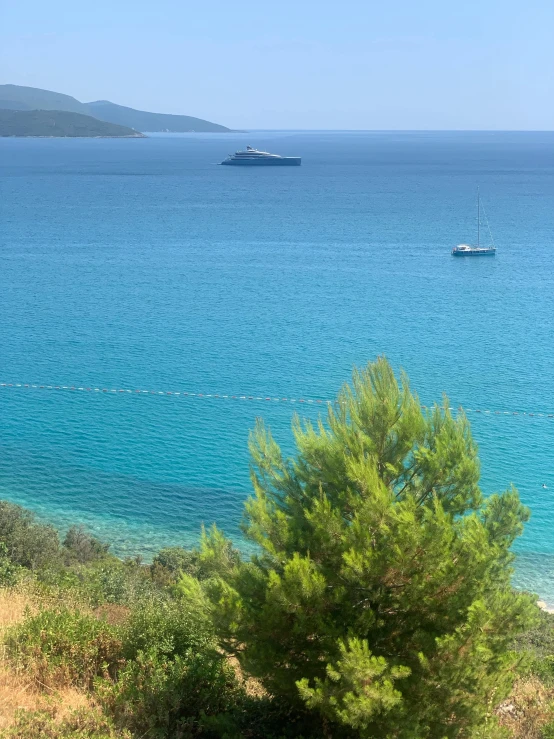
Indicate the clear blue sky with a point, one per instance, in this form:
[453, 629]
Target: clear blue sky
[397, 64]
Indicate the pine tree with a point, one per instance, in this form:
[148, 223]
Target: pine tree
[380, 596]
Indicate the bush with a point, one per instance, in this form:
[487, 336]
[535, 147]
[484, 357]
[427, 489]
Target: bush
[115, 581]
[10, 573]
[264, 717]
[63, 647]
[82, 547]
[83, 724]
[170, 563]
[548, 731]
[27, 543]
[158, 696]
[215, 558]
[108, 580]
[167, 628]
[173, 674]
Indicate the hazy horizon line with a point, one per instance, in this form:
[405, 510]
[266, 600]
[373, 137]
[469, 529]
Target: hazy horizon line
[370, 130]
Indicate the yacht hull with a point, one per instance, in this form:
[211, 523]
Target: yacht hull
[265, 162]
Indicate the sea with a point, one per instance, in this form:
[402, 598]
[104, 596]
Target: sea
[219, 292]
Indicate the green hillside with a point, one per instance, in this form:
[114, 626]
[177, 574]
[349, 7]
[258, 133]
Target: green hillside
[33, 98]
[58, 123]
[144, 121]
[16, 97]
[13, 105]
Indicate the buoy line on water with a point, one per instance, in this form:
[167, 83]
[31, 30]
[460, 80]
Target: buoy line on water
[219, 396]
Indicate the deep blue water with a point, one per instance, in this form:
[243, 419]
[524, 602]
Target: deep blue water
[141, 264]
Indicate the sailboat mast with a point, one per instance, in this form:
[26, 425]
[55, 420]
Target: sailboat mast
[478, 219]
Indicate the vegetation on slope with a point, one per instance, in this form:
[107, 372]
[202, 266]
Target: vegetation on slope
[13, 105]
[144, 121]
[378, 604]
[59, 124]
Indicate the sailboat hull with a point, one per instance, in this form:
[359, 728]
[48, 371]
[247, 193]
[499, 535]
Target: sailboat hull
[473, 252]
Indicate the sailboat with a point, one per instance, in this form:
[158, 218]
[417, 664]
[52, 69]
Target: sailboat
[465, 250]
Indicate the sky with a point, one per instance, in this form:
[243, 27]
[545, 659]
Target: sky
[393, 64]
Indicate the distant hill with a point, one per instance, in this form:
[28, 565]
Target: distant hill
[13, 105]
[58, 123]
[33, 98]
[15, 97]
[143, 121]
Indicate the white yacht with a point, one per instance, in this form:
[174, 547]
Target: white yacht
[251, 156]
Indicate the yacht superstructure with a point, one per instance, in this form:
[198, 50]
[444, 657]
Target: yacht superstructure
[251, 156]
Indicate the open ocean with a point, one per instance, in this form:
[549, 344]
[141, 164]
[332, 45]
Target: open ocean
[140, 264]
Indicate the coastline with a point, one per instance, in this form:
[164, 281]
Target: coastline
[127, 136]
[131, 540]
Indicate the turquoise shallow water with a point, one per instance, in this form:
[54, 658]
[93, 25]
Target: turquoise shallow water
[141, 264]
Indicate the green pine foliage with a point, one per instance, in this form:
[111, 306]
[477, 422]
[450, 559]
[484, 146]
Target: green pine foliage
[214, 556]
[380, 599]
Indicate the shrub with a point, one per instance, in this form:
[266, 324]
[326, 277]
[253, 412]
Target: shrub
[158, 696]
[108, 580]
[166, 628]
[548, 731]
[168, 564]
[175, 559]
[63, 647]
[27, 543]
[10, 573]
[83, 724]
[173, 674]
[215, 557]
[82, 547]
[264, 717]
[115, 581]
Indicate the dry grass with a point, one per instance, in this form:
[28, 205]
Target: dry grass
[252, 685]
[113, 614]
[16, 690]
[528, 709]
[18, 693]
[13, 606]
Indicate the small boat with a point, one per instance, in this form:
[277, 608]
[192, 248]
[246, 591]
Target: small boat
[476, 250]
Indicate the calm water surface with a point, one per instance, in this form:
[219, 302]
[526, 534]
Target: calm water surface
[141, 264]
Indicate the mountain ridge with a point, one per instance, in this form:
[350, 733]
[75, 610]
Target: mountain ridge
[143, 120]
[19, 97]
[39, 99]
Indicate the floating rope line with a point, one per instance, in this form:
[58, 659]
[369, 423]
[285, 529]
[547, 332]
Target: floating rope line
[219, 396]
